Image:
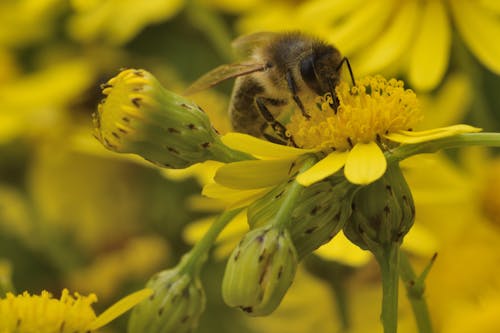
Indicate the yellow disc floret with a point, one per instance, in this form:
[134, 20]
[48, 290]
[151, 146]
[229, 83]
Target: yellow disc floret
[45, 314]
[366, 112]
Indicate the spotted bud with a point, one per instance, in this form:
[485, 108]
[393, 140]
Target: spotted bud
[383, 212]
[260, 270]
[139, 116]
[320, 212]
[175, 306]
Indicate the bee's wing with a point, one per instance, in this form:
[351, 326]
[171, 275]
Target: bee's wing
[222, 73]
[244, 45]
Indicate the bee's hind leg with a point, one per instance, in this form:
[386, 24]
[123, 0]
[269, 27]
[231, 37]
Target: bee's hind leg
[276, 126]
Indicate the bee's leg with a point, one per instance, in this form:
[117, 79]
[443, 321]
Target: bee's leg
[276, 126]
[293, 89]
[335, 101]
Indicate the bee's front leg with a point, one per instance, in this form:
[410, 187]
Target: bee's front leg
[277, 127]
[292, 86]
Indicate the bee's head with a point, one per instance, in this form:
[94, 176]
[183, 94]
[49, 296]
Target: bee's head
[320, 70]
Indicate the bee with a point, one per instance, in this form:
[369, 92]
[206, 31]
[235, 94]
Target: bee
[281, 69]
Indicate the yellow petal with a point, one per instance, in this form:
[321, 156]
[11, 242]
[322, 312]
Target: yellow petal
[253, 174]
[261, 148]
[420, 241]
[392, 43]
[365, 164]
[433, 134]
[480, 29]
[234, 198]
[431, 51]
[351, 34]
[492, 5]
[119, 308]
[341, 250]
[329, 11]
[324, 168]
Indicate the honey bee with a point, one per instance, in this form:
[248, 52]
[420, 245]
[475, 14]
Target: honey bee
[281, 68]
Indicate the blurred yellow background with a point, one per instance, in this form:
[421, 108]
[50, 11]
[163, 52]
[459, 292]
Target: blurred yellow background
[75, 215]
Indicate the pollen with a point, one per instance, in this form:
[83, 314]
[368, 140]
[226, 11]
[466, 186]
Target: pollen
[366, 112]
[45, 314]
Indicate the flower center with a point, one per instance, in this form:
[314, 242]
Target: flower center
[44, 314]
[366, 112]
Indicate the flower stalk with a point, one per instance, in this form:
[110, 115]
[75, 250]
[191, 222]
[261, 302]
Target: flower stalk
[415, 288]
[388, 261]
[194, 259]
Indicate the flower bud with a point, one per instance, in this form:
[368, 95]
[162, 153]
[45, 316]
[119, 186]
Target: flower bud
[383, 212]
[175, 306]
[321, 211]
[260, 270]
[139, 116]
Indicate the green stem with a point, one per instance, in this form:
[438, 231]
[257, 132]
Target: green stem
[415, 290]
[282, 217]
[456, 141]
[388, 261]
[193, 260]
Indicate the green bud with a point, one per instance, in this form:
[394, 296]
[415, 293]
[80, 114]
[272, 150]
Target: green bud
[260, 270]
[320, 213]
[383, 212]
[139, 116]
[175, 306]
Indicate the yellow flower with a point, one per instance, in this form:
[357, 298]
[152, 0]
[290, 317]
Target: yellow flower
[117, 21]
[42, 313]
[372, 117]
[27, 21]
[413, 36]
[139, 258]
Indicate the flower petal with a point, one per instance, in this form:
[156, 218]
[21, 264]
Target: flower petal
[433, 134]
[480, 29]
[253, 174]
[351, 34]
[324, 168]
[261, 148]
[365, 164]
[392, 43]
[342, 250]
[234, 198]
[119, 308]
[431, 50]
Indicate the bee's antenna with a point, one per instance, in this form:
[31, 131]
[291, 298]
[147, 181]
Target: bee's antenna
[346, 61]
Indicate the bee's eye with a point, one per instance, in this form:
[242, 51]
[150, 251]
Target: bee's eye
[308, 74]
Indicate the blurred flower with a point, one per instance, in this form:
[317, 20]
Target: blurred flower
[42, 313]
[44, 109]
[27, 21]
[140, 257]
[72, 194]
[467, 239]
[412, 36]
[105, 20]
[229, 6]
[5, 278]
